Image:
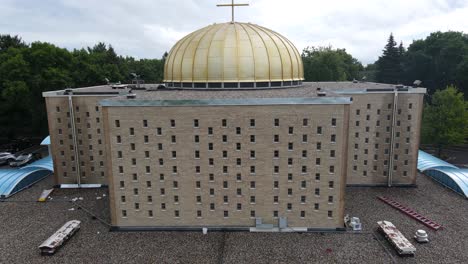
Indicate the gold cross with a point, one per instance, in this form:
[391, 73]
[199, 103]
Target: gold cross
[232, 5]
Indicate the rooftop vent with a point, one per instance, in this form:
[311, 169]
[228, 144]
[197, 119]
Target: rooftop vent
[417, 83]
[319, 89]
[131, 96]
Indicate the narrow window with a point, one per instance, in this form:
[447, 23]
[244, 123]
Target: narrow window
[276, 138]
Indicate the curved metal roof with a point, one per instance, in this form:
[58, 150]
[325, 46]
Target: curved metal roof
[45, 163]
[46, 141]
[453, 178]
[443, 172]
[15, 180]
[427, 161]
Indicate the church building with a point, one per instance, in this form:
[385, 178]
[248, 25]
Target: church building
[234, 139]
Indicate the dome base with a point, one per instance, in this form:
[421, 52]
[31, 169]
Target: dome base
[234, 85]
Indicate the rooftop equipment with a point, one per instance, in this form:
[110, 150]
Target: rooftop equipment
[356, 224]
[396, 238]
[421, 236]
[54, 242]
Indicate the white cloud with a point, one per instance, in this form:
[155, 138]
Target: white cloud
[148, 28]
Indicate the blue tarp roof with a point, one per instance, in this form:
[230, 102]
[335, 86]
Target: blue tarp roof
[443, 172]
[15, 180]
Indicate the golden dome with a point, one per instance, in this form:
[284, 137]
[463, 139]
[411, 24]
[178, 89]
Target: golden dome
[233, 55]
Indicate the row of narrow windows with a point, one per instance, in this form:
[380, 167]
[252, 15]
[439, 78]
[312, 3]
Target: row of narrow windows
[224, 123]
[77, 109]
[198, 200]
[302, 213]
[175, 185]
[211, 178]
[175, 170]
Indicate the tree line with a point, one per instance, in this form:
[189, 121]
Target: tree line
[27, 70]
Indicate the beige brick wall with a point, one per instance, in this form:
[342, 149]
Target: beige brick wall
[370, 136]
[136, 191]
[91, 149]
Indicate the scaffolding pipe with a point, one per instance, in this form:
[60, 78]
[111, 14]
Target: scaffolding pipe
[75, 144]
[392, 138]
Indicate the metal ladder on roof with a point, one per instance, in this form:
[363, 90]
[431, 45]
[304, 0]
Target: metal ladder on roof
[411, 213]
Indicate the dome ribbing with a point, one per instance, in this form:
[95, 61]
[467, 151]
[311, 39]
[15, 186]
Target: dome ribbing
[233, 55]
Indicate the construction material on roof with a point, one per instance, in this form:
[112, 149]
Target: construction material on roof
[444, 173]
[396, 238]
[44, 195]
[411, 213]
[54, 242]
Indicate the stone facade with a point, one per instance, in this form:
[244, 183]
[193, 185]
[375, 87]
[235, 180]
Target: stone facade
[91, 160]
[370, 138]
[233, 174]
[217, 166]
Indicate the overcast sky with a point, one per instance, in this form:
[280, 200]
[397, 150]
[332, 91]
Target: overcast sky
[147, 28]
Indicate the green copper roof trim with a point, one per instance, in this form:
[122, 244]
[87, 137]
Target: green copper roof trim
[228, 102]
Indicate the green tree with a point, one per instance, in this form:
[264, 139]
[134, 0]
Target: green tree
[328, 64]
[8, 41]
[439, 60]
[445, 119]
[389, 65]
[15, 108]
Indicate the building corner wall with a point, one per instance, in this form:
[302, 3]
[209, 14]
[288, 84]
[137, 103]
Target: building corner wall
[110, 177]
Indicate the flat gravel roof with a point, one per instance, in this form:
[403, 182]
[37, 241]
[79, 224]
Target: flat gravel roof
[25, 224]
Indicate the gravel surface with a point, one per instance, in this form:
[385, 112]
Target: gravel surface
[25, 224]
